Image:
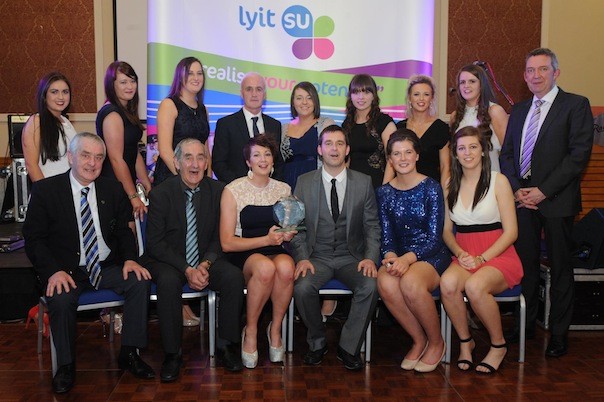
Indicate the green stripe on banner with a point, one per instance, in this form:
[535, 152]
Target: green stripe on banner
[224, 74]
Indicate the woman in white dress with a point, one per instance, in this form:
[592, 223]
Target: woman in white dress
[476, 107]
[47, 134]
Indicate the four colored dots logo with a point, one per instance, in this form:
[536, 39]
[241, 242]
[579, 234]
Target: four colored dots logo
[312, 34]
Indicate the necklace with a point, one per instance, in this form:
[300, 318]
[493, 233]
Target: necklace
[192, 109]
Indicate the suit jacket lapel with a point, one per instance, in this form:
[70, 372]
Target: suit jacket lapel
[66, 197]
[349, 201]
[523, 113]
[242, 126]
[551, 115]
[315, 195]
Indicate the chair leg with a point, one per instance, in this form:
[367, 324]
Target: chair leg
[448, 340]
[368, 344]
[202, 314]
[41, 306]
[290, 325]
[522, 340]
[111, 325]
[212, 321]
[53, 355]
[444, 332]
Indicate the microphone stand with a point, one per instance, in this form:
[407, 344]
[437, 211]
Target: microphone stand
[489, 70]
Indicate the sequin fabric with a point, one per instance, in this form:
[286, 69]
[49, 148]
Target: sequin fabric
[413, 220]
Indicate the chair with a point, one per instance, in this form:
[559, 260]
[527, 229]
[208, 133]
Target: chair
[509, 295]
[88, 300]
[333, 287]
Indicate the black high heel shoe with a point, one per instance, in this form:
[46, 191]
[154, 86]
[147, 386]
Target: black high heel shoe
[492, 370]
[463, 361]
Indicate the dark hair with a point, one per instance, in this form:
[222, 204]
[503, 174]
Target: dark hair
[51, 127]
[486, 96]
[482, 187]
[362, 83]
[181, 73]
[332, 129]
[263, 140]
[543, 51]
[400, 135]
[312, 91]
[131, 109]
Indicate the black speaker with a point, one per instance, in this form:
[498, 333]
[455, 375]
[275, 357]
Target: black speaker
[588, 238]
[15, 129]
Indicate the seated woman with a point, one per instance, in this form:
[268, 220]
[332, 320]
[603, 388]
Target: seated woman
[412, 215]
[480, 203]
[248, 231]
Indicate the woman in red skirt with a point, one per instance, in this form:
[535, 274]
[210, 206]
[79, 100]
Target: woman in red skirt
[480, 204]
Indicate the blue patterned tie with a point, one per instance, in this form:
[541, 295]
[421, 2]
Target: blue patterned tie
[91, 245]
[191, 246]
[530, 138]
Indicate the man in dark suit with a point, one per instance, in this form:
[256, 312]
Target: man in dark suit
[183, 247]
[547, 145]
[342, 241]
[235, 130]
[77, 237]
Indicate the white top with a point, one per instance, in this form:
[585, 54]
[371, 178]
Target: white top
[245, 193]
[470, 118]
[53, 168]
[485, 212]
[250, 124]
[340, 187]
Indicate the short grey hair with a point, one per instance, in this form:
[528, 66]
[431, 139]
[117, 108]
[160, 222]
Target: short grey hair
[75, 144]
[543, 51]
[178, 150]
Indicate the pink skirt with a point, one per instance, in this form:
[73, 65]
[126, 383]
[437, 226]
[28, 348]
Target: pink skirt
[507, 262]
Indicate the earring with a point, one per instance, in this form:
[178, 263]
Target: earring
[483, 154]
[250, 174]
[272, 170]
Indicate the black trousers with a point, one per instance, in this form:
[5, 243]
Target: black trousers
[224, 278]
[558, 243]
[62, 310]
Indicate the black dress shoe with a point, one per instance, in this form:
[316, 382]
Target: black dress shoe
[513, 336]
[557, 347]
[231, 357]
[63, 380]
[170, 368]
[131, 361]
[315, 357]
[351, 362]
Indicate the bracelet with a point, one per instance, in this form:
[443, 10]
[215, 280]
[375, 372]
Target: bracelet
[133, 196]
[481, 259]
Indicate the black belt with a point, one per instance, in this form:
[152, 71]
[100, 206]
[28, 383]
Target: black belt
[478, 228]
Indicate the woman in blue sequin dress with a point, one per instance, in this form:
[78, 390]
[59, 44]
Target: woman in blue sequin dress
[412, 217]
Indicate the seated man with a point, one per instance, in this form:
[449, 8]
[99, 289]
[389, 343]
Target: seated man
[77, 237]
[342, 241]
[183, 246]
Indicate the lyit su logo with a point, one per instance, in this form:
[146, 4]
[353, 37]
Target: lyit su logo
[312, 34]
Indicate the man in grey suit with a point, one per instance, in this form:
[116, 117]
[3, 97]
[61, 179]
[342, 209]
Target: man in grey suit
[547, 146]
[342, 241]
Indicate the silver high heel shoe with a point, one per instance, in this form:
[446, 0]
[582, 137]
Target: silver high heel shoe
[275, 354]
[249, 360]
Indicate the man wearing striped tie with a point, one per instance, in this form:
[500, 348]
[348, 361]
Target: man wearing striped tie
[547, 146]
[183, 247]
[77, 238]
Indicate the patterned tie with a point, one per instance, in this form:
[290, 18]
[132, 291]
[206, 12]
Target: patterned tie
[91, 246]
[255, 126]
[335, 207]
[191, 246]
[530, 138]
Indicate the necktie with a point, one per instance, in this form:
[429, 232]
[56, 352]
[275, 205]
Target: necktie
[255, 126]
[191, 246]
[91, 246]
[335, 208]
[530, 138]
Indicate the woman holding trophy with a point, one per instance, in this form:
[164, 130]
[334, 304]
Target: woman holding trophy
[248, 231]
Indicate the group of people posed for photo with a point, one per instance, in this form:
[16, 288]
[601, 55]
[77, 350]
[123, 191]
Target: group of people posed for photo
[393, 211]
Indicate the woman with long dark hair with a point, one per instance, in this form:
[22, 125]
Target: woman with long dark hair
[181, 115]
[118, 124]
[476, 107]
[368, 130]
[480, 203]
[47, 134]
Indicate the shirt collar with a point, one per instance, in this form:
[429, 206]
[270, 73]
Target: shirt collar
[550, 96]
[339, 178]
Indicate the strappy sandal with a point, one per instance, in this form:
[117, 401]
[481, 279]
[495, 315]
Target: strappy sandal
[492, 370]
[463, 361]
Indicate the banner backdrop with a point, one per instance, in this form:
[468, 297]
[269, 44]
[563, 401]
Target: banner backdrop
[325, 42]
